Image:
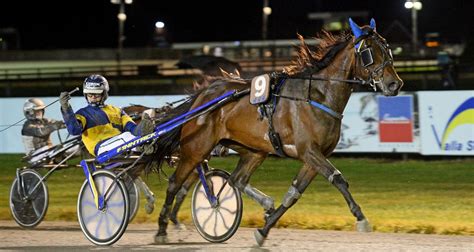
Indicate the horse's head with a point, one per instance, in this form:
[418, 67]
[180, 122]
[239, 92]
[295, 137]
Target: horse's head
[374, 59]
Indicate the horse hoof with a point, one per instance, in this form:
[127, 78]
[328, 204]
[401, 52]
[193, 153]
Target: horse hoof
[363, 226]
[149, 208]
[180, 226]
[161, 239]
[150, 204]
[259, 237]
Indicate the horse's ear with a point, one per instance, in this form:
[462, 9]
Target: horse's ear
[356, 30]
[372, 24]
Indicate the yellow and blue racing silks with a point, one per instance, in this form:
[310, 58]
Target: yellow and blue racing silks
[97, 124]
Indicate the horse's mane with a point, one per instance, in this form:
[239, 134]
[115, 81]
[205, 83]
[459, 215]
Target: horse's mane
[319, 57]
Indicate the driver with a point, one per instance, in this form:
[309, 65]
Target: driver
[36, 131]
[102, 126]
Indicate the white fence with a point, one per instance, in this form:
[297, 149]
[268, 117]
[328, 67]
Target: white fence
[430, 123]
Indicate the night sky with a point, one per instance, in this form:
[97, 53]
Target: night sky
[93, 23]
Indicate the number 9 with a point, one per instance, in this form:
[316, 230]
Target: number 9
[260, 86]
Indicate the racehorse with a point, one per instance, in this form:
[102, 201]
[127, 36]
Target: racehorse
[301, 119]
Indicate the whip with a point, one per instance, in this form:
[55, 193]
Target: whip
[70, 93]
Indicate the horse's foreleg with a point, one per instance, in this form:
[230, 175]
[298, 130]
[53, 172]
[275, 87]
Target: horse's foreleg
[336, 178]
[180, 196]
[300, 183]
[317, 160]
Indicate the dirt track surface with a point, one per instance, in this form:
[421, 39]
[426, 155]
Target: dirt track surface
[67, 236]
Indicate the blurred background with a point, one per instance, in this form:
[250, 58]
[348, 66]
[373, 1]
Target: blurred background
[163, 48]
[52, 46]
[154, 52]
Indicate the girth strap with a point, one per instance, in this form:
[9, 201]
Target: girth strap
[267, 110]
[272, 135]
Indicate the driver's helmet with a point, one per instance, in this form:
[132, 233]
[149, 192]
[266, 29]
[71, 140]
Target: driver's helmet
[31, 105]
[96, 84]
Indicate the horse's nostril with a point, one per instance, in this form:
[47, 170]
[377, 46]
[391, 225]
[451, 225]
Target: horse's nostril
[393, 86]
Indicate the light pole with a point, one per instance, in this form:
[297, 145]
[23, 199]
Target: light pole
[266, 11]
[121, 16]
[159, 38]
[415, 6]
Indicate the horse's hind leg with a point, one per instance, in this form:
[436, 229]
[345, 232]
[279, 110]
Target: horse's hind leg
[248, 162]
[180, 196]
[149, 195]
[190, 157]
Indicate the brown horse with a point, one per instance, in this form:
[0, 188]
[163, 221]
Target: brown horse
[305, 110]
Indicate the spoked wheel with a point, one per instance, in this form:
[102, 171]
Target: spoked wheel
[219, 222]
[28, 206]
[133, 195]
[103, 226]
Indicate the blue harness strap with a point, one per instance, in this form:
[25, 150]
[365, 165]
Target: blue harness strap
[314, 104]
[325, 109]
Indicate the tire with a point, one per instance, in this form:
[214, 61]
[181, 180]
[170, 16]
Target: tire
[103, 227]
[29, 212]
[219, 223]
[133, 195]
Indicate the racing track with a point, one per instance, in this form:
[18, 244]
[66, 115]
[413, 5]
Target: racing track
[67, 236]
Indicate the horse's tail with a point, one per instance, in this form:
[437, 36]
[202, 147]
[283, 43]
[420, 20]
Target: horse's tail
[168, 143]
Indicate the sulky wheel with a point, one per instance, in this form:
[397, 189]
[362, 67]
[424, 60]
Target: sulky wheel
[103, 226]
[133, 195]
[218, 222]
[28, 198]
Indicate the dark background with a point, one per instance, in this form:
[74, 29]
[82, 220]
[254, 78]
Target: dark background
[93, 23]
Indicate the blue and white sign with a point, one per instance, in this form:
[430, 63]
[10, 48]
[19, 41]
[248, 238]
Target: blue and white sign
[447, 122]
[375, 123]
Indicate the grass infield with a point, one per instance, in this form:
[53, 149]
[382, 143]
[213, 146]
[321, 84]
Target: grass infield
[433, 197]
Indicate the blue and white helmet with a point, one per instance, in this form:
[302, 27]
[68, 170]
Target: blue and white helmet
[96, 84]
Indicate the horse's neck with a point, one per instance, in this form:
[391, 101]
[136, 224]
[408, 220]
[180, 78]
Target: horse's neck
[335, 94]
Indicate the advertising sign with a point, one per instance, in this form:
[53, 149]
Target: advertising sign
[447, 122]
[375, 123]
[395, 119]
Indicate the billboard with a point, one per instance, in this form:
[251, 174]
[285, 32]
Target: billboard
[375, 123]
[447, 122]
[395, 119]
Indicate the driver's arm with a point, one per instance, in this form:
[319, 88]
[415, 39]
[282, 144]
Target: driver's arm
[38, 129]
[74, 122]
